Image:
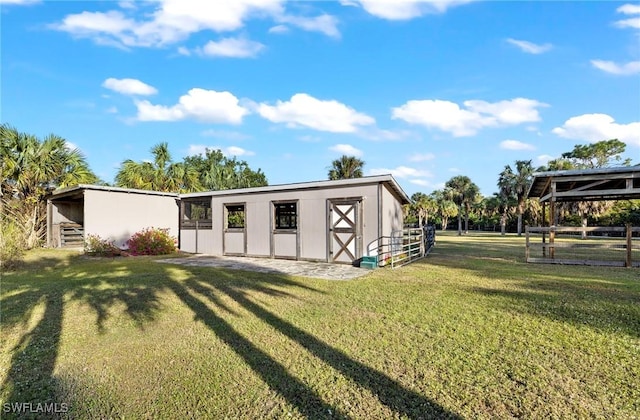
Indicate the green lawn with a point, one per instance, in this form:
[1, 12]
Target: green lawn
[470, 331]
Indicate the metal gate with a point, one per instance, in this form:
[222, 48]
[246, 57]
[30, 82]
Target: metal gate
[345, 230]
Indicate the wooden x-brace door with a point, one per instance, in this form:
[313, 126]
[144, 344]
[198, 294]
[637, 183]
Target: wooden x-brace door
[345, 230]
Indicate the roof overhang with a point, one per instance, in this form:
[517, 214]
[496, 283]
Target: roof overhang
[77, 191]
[368, 180]
[621, 183]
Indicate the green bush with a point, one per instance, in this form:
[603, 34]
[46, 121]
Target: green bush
[96, 246]
[12, 244]
[152, 241]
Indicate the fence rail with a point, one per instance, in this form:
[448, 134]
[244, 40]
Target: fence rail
[582, 250]
[402, 246]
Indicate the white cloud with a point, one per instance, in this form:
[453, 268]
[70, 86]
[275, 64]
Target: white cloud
[346, 149]
[306, 111]
[279, 29]
[70, 146]
[422, 157]
[197, 149]
[19, 2]
[629, 9]
[543, 159]
[598, 127]
[516, 145]
[450, 117]
[129, 87]
[530, 47]
[199, 104]
[184, 51]
[421, 182]
[168, 22]
[324, 23]
[628, 69]
[401, 172]
[112, 110]
[405, 9]
[231, 47]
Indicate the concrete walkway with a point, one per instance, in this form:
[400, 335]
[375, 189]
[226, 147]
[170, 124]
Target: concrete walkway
[318, 270]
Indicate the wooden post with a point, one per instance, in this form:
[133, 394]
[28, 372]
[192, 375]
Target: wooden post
[628, 260]
[552, 228]
[526, 246]
[544, 234]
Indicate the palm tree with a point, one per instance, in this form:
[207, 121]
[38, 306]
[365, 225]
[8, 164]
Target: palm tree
[346, 167]
[462, 191]
[30, 169]
[160, 175]
[445, 207]
[423, 205]
[516, 185]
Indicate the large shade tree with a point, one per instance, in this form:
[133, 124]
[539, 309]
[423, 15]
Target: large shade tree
[346, 167]
[218, 172]
[464, 192]
[601, 154]
[162, 174]
[30, 169]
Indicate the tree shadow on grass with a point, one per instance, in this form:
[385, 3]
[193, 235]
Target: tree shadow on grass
[126, 285]
[404, 402]
[44, 286]
[602, 298]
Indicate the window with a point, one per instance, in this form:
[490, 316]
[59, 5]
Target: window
[286, 215]
[196, 213]
[235, 216]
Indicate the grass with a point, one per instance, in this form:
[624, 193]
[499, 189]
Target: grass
[470, 331]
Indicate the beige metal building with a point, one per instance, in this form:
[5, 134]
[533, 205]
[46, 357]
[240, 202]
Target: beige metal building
[330, 221]
[109, 212]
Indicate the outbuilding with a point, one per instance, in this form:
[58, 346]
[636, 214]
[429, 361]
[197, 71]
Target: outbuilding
[112, 213]
[331, 221]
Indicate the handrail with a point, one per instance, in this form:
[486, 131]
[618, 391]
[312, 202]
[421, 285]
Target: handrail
[402, 246]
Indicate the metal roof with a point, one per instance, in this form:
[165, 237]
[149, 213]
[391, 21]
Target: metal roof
[619, 183]
[81, 187]
[367, 180]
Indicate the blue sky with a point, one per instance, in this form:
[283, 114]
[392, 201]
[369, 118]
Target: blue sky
[421, 89]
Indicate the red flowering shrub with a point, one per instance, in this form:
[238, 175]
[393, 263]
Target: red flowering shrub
[152, 241]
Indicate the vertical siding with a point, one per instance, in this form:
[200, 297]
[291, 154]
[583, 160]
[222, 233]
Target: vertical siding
[257, 223]
[392, 216]
[312, 221]
[116, 215]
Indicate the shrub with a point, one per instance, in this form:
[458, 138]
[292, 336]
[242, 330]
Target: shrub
[96, 246]
[12, 244]
[152, 241]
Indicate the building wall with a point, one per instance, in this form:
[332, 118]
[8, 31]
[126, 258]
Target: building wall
[117, 215]
[312, 221]
[392, 214]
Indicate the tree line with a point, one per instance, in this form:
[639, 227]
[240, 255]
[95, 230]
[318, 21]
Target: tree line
[509, 209]
[31, 168]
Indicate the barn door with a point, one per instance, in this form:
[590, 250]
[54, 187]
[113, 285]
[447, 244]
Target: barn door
[345, 230]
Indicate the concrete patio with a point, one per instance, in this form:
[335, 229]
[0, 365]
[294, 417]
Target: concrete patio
[319, 270]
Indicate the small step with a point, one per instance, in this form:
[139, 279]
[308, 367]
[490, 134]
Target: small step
[368, 264]
[370, 258]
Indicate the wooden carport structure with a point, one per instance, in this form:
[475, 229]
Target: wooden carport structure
[552, 187]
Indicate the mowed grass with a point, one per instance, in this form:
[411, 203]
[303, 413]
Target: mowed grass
[470, 331]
